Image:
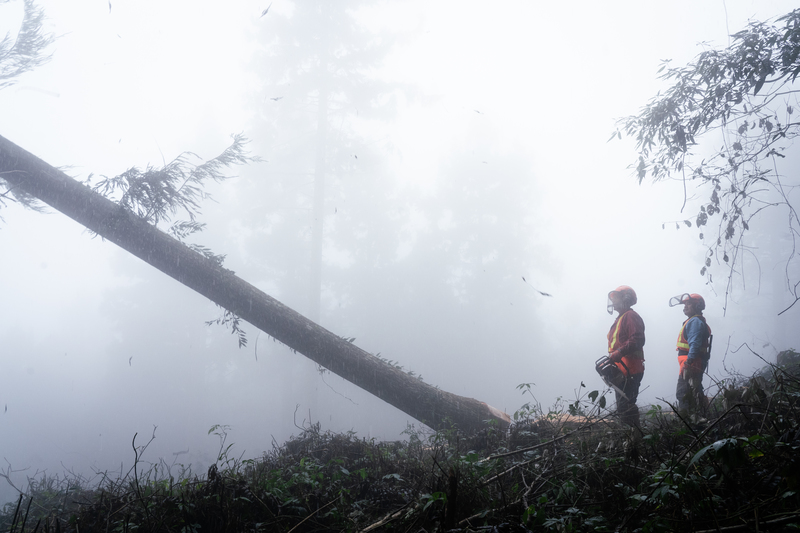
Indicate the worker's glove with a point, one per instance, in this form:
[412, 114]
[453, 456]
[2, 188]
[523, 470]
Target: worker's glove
[689, 370]
[615, 356]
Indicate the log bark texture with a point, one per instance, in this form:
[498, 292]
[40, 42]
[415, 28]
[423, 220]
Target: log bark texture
[425, 403]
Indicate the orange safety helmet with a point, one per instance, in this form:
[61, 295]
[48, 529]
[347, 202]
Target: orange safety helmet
[623, 292]
[686, 298]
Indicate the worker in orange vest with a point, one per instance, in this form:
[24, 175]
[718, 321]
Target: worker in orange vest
[694, 351]
[625, 349]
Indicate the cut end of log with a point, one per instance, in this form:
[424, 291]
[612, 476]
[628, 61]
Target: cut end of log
[497, 413]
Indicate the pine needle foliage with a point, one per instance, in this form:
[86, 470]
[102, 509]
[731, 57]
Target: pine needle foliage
[158, 194]
[737, 469]
[26, 50]
[178, 188]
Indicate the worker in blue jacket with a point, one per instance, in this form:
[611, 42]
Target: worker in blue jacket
[694, 351]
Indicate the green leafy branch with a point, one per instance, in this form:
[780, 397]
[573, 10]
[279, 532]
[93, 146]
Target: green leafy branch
[233, 322]
[744, 96]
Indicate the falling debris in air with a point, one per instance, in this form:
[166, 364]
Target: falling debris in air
[266, 10]
[534, 288]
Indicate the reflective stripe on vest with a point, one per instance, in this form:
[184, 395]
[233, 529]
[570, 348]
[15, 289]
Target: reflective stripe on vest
[683, 342]
[613, 340]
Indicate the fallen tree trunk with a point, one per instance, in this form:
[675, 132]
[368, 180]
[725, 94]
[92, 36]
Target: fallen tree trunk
[427, 404]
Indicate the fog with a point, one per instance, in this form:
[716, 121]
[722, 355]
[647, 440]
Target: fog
[466, 147]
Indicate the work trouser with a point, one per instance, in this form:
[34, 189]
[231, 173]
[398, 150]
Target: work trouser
[626, 407]
[690, 393]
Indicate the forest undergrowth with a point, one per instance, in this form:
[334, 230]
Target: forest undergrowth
[734, 467]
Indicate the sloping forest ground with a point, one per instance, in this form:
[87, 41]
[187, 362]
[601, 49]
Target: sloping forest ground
[736, 468]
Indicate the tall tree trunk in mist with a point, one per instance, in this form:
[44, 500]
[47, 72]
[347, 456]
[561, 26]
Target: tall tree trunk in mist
[427, 404]
[317, 220]
[318, 213]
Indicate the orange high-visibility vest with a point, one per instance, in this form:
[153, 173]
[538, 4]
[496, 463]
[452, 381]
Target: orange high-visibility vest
[683, 342]
[613, 338]
[627, 360]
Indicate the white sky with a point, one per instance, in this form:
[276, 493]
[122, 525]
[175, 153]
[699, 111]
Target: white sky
[153, 78]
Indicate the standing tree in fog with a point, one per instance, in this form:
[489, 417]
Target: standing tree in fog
[740, 102]
[313, 65]
[428, 273]
[314, 71]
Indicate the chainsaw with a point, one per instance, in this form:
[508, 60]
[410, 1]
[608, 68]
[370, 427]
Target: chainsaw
[612, 375]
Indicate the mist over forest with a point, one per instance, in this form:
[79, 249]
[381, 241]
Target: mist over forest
[434, 182]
